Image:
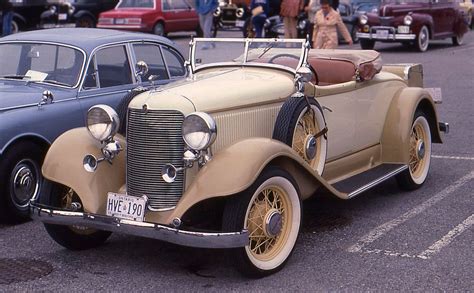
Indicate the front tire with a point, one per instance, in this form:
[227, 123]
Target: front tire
[270, 209]
[71, 237]
[419, 154]
[20, 179]
[423, 39]
[458, 40]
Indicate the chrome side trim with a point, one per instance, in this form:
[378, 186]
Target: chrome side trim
[49, 215]
[376, 182]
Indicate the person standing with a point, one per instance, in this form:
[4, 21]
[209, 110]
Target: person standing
[7, 17]
[326, 23]
[311, 9]
[289, 10]
[205, 10]
[260, 10]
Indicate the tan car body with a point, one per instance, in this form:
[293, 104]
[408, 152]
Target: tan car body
[244, 146]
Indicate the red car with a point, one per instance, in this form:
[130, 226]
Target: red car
[412, 22]
[157, 16]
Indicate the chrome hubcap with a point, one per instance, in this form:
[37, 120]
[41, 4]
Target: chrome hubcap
[273, 223]
[310, 147]
[420, 149]
[25, 183]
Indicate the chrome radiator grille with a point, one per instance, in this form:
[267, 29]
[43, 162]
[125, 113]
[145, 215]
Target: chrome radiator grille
[153, 140]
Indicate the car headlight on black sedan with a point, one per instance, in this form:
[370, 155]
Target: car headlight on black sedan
[363, 19]
[199, 130]
[102, 122]
[408, 20]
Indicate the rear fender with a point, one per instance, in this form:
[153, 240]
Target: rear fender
[397, 128]
[64, 164]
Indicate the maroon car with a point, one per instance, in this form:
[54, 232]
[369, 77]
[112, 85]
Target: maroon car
[157, 16]
[412, 22]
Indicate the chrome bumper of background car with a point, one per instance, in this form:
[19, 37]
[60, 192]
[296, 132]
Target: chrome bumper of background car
[49, 215]
[392, 34]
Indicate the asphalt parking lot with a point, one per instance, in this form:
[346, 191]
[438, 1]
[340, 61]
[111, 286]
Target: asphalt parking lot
[383, 240]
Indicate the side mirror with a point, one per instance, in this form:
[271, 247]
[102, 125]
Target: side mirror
[142, 68]
[46, 98]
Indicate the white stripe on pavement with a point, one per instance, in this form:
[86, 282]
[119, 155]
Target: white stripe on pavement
[386, 227]
[438, 245]
[453, 158]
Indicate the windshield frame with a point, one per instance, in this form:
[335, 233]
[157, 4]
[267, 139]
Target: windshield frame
[83, 52]
[193, 68]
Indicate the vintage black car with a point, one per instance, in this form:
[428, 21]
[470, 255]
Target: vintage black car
[78, 13]
[230, 14]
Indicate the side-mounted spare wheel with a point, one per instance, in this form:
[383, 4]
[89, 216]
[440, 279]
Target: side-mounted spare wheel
[71, 237]
[270, 209]
[303, 128]
[419, 154]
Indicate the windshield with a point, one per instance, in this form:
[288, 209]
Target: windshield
[288, 53]
[53, 64]
[136, 4]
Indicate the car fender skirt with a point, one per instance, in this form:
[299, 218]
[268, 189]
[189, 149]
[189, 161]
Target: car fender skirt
[63, 164]
[395, 140]
[235, 168]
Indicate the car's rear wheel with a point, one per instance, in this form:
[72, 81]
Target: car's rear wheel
[15, 27]
[458, 40]
[419, 154]
[159, 29]
[270, 209]
[20, 179]
[367, 44]
[85, 21]
[422, 39]
[71, 237]
[303, 129]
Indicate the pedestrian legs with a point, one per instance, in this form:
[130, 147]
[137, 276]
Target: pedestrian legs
[290, 27]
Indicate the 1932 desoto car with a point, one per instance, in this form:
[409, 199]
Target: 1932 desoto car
[412, 22]
[48, 81]
[224, 158]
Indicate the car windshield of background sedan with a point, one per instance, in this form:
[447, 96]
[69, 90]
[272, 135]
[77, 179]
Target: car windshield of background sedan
[34, 62]
[136, 4]
[288, 53]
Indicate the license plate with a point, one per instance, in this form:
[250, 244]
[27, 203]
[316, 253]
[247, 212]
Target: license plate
[125, 206]
[403, 29]
[62, 16]
[120, 21]
[239, 23]
[382, 34]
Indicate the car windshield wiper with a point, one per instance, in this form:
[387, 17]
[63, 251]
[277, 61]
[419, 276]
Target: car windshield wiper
[14, 76]
[270, 46]
[56, 82]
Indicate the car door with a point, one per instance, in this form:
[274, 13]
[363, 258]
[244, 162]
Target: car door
[179, 16]
[109, 77]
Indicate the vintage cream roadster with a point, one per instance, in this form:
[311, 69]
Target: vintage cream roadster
[224, 158]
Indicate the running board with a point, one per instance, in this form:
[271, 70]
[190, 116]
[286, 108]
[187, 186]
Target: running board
[359, 183]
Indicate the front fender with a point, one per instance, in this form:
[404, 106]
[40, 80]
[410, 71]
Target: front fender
[420, 20]
[235, 168]
[63, 164]
[397, 128]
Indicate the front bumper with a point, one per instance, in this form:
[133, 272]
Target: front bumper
[49, 215]
[392, 34]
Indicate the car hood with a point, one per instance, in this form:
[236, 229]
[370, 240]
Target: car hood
[17, 94]
[118, 13]
[396, 9]
[217, 90]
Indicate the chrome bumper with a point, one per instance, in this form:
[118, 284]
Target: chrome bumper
[392, 35]
[443, 127]
[49, 215]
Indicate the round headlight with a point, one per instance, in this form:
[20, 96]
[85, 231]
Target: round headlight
[102, 122]
[363, 19]
[239, 12]
[408, 20]
[302, 24]
[52, 9]
[199, 130]
[217, 12]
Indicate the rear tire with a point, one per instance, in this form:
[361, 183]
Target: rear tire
[85, 21]
[367, 44]
[270, 209]
[71, 237]
[159, 29]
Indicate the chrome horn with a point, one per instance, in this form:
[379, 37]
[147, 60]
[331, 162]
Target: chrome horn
[90, 163]
[169, 172]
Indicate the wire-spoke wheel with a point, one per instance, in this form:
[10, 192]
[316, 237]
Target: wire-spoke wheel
[302, 128]
[419, 154]
[71, 237]
[271, 211]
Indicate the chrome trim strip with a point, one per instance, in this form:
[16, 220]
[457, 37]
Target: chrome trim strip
[49, 215]
[34, 104]
[376, 182]
[391, 37]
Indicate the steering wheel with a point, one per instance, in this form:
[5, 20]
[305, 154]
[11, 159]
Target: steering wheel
[286, 55]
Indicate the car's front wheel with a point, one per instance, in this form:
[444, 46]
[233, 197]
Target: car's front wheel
[419, 154]
[422, 39]
[270, 209]
[458, 40]
[71, 237]
[20, 179]
[367, 44]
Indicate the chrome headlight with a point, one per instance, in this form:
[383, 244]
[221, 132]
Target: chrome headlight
[239, 12]
[363, 19]
[53, 9]
[217, 12]
[199, 130]
[408, 20]
[102, 122]
[302, 24]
